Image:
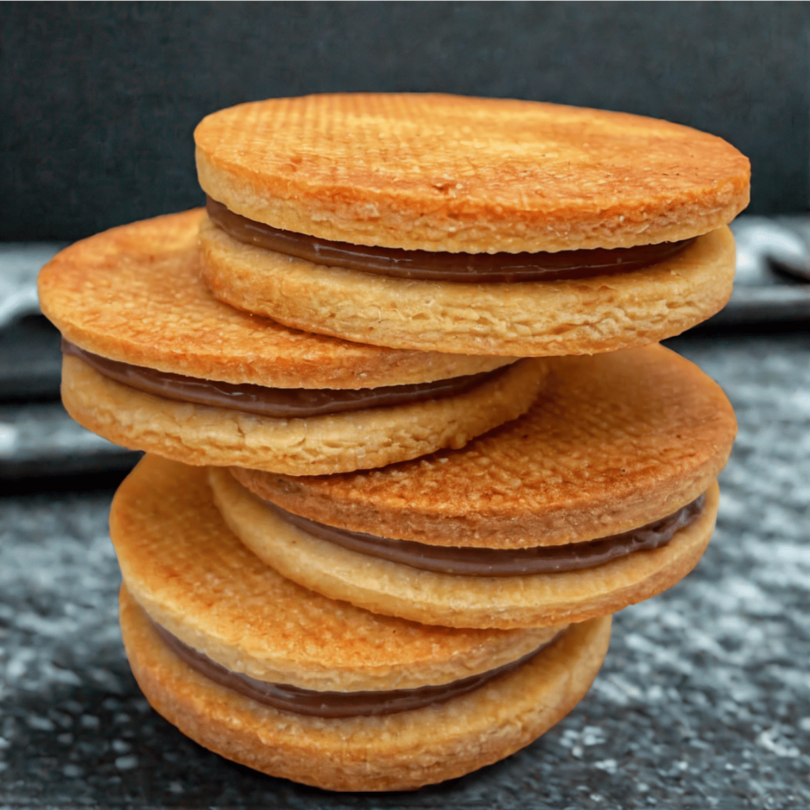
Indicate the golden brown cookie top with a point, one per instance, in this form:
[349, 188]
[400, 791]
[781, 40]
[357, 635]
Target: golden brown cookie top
[612, 443]
[135, 294]
[458, 174]
[194, 577]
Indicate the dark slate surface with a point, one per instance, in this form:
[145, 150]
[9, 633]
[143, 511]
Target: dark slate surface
[704, 700]
[100, 99]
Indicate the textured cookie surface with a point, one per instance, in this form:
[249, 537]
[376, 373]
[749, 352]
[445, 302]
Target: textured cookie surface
[390, 588]
[373, 437]
[613, 442]
[195, 578]
[395, 752]
[447, 173]
[581, 316]
[135, 294]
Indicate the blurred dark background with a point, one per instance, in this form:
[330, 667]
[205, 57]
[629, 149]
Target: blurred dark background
[100, 100]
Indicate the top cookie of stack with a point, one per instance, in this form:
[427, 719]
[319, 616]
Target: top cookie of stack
[405, 221]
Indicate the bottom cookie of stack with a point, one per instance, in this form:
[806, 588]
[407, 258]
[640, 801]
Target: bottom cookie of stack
[187, 577]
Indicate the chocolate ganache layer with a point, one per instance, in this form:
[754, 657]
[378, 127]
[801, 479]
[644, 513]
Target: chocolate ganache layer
[424, 265]
[487, 562]
[334, 705]
[280, 403]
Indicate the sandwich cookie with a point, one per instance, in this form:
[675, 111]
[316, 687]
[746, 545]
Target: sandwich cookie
[603, 494]
[283, 680]
[477, 226]
[154, 362]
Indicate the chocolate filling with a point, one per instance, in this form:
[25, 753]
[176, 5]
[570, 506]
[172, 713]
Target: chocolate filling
[280, 403]
[425, 265]
[334, 704]
[488, 562]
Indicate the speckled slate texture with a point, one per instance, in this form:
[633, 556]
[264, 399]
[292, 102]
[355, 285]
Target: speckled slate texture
[704, 700]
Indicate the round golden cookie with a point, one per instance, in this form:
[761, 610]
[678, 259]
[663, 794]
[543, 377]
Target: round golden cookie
[394, 752]
[186, 569]
[394, 589]
[448, 173]
[613, 443]
[183, 570]
[315, 445]
[134, 295]
[530, 318]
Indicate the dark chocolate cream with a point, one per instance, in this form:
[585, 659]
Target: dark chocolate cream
[425, 265]
[281, 403]
[335, 704]
[503, 562]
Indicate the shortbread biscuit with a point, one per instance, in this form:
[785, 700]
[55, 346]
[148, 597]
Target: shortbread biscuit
[532, 318]
[189, 583]
[473, 175]
[205, 435]
[614, 443]
[377, 218]
[134, 296]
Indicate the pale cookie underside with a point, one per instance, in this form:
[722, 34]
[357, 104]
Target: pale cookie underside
[612, 443]
[393, 752]
[459, 601]
[195, 578]
[135, 294]
[207, 435]
[582, 316]
[444, 173]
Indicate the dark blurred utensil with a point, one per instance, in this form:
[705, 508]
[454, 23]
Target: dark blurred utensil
[791, 253]
[764, 292]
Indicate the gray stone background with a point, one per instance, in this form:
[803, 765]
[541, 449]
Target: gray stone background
[704, 699]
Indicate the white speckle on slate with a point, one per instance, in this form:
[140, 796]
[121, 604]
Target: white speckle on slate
[772, 740]
[126, 763]
[9, 437]
[592, 735]
[608, 765]
[40, 723]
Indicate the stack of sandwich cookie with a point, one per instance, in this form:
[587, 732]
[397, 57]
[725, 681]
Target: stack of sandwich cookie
[477, 516]
[154, 362]
[478, 226]
[293, 684]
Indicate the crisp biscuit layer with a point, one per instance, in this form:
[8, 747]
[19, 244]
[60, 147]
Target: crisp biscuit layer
[135, 294]
[612, 443]
[447, 173]
[374, 437]
[394, 752]
[394, 589]
[181, 563]
[575, 316]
